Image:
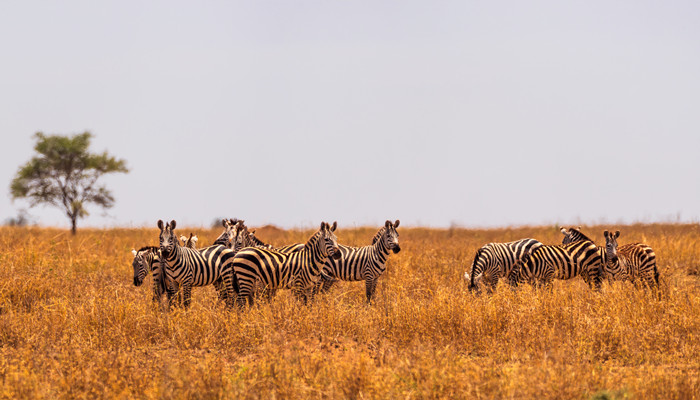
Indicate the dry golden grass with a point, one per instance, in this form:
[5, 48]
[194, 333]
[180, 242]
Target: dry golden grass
[72, 325]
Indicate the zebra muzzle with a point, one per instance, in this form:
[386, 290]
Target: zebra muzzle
[137, 281]
[396, 249]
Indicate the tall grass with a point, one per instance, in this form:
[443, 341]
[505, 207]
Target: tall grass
[72, 325]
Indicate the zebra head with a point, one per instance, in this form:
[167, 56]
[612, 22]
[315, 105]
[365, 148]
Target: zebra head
[391, 237]
[611, 245]
[140, 264]
[572, 235]
[330, 241]
[168, 240]
[244, 238]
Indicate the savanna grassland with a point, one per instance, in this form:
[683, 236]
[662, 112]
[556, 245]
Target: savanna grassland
[72, 325]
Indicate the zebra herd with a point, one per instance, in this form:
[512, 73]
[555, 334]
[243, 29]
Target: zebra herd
[528, 260]
[240, 265]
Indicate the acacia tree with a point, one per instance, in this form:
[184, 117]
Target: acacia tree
[64, 174]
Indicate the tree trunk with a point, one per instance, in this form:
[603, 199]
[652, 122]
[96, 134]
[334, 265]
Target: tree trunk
[73, 225]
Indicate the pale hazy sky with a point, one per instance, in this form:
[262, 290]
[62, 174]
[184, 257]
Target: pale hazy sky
[484, 113]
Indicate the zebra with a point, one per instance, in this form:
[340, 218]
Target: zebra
[494, 261]
[190, 242]
[628, 262]
[228, 235]
[546, 263]
[146, 259]
[185, 267]
[366, 263]
[298, 271]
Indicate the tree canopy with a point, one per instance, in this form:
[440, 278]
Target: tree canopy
[65, 174]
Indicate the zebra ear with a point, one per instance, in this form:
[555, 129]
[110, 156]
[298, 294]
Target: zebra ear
[323, 225]
[606, 234]
[617, 234]
[387, 224]
[172, 224]
[160, 224]
[133, 251]
[224, 222]
[396, 224]
[335, 225]
[563, 230]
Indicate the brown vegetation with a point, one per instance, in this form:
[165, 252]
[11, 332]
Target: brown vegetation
[72, 325]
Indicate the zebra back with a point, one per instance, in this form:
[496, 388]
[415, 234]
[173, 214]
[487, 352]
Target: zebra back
[493, 261]
[561, 262]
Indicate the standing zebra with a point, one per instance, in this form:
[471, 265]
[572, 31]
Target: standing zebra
[547, 263]
[628, 262]
[186, 267]
[494, 261]
[366, 263]
[298, 271]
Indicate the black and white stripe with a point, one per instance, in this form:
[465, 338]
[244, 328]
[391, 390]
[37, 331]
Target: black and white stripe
[298, 271]
[146, 260]
[632, 262]
[494, 261]
[366, 263]
[546, 263]
[185, 267]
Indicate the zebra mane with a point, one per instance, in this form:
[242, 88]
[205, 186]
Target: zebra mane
[379, 234]
[151, 248]
[575, 234]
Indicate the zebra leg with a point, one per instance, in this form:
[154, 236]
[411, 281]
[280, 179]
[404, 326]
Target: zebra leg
[370, 286]
[186, 295]
[221, 290]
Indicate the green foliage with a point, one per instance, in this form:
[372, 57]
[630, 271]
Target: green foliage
[65, 174]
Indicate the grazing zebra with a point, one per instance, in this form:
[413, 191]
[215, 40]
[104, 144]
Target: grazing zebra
[366, 263]
[628, 262]
[546, 263]
[185, 267]
[494, 261]
[298, 271]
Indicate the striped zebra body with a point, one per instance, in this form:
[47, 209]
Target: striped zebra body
[633, 261]
[366, 263]
[629, 262]
[298, 271]
[146, 260]
[186, 268]
[494, 261]
[547, 263]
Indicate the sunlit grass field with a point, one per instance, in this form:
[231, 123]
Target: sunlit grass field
[72, 325]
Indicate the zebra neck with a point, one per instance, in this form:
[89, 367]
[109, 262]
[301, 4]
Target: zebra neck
[174, 256]
[312, 248]
[380, 248]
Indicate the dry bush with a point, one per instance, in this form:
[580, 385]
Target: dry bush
[72, 325]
